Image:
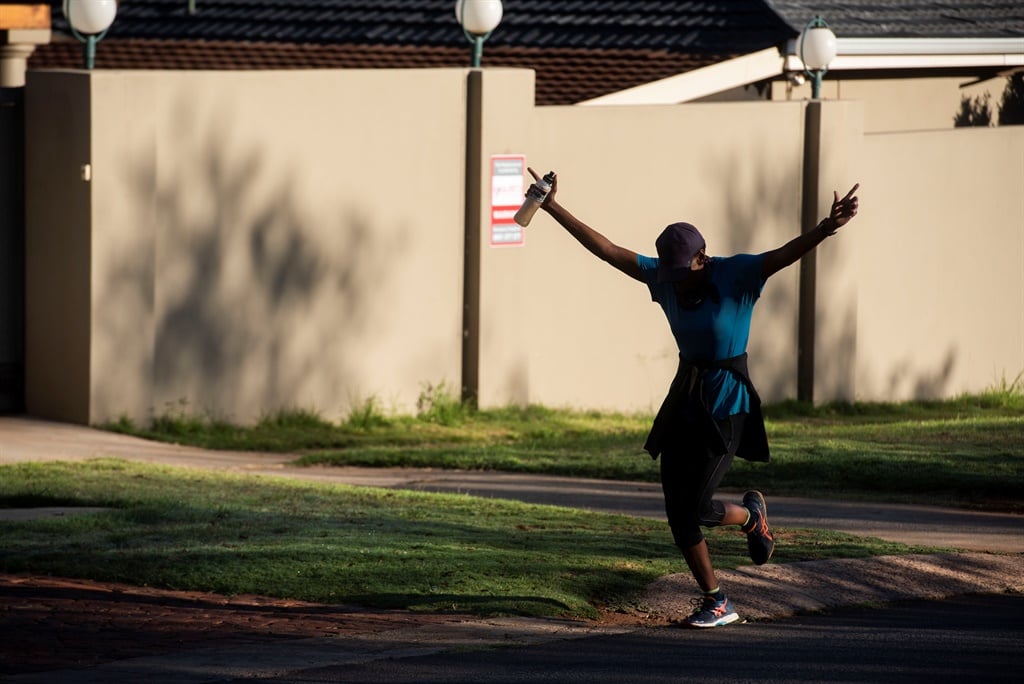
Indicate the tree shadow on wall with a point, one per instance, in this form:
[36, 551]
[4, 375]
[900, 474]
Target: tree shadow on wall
[769, 197]
[906, 380]
[255, 300]
[773, 348]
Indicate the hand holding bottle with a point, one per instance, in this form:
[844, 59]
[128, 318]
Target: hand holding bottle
[536, 195]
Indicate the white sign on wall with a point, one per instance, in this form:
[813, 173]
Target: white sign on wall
[506, 198]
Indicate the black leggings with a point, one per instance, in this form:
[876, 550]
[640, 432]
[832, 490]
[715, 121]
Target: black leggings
[690, 474]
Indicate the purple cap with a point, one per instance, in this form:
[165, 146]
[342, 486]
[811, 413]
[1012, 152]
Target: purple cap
[677, 245]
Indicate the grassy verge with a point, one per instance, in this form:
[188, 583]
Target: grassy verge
[191, 530]
[966, 452]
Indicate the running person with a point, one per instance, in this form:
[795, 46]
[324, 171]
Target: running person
[712, 411]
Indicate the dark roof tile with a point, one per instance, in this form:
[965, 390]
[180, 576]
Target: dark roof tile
[568, 76]
[580, 49]
[909, 18]
[691, 25]
[702, 26]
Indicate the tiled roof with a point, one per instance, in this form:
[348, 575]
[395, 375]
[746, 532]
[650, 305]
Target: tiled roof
[673, 25]
[568, 75]
[909, 18]
[580, 49]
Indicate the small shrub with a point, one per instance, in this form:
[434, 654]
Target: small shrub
[438, 404]
[367, 415]
[295, 419]
[1005, 394]
[123, 424]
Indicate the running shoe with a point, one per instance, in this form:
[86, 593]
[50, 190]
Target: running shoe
[760, 542]
[711, 612]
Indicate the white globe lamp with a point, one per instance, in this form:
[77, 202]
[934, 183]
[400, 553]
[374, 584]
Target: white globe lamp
[478, 19]
[817, 46]
[89, 21]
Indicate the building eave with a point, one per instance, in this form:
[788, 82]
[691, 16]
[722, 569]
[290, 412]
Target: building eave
[732, 73]
[854, 54]
[926, 54]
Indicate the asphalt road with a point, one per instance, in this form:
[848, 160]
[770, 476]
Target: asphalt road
[963, 639]
[907, 524]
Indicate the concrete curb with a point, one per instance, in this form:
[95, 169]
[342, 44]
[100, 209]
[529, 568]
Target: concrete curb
[771, 592]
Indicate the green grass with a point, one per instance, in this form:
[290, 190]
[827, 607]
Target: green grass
[233, 534]
[966, 452]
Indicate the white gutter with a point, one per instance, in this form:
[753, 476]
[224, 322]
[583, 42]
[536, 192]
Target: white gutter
[928, 46]
[853, 54]
[879, 62]
[919, 53]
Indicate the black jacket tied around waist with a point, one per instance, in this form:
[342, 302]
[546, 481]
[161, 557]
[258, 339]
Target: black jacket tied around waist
[685, 413]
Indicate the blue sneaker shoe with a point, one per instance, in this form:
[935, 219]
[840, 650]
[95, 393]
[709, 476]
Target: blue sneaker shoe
[711, 612]
[760, 543]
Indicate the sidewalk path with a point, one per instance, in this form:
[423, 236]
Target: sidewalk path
[26, 439]
[80, 631]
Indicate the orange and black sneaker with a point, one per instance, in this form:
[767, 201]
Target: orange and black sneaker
[760, 542]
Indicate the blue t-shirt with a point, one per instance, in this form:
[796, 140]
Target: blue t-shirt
[714, 330]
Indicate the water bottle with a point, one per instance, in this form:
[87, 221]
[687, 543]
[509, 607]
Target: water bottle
[535, 196]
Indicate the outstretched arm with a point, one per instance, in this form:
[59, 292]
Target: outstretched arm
[597, 244]
[842, 211]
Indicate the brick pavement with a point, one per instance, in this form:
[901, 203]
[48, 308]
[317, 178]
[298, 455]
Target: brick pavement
[51, 623]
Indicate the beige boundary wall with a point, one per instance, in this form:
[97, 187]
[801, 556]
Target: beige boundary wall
[255, 241]
[247, 242]
[900, 104]
[943, 309]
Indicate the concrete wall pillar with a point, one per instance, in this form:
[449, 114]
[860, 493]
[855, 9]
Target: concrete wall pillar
[58, 245]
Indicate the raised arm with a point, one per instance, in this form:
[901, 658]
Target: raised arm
[597, 244]
[842, 211]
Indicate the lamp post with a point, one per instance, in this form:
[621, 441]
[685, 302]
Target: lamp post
[478, 19]
[89, 21]
[817, 48]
